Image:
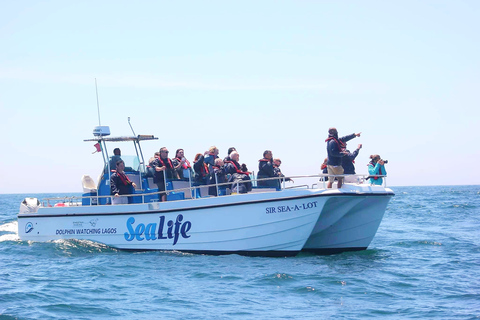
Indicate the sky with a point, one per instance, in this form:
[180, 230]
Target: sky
[255, 75]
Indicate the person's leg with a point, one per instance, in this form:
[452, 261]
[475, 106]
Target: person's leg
[330, 170]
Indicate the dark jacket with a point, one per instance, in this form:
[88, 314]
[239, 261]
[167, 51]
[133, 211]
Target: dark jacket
[335, 147]
[201, 171]
[119, 183]
[266, 170]
[348, 160]
[232, 167]
[169, 171]
[218, 176]
[278, 173]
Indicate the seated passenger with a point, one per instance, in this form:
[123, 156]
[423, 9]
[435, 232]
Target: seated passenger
[181, 164]
[278, 173]
[163, 167]
[233, 166]
[241, 182]
[113, 159]
[150, 172]
[120, 184]
[218, 176]
[265, 170]
[376, 168]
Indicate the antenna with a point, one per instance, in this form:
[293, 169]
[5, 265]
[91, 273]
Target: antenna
[131, 127]
[98, 105]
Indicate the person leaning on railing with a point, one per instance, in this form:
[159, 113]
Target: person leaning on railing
[120, 184]
[278, 173]
[376, 167]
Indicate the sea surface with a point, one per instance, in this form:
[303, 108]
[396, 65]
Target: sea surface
[424, 263]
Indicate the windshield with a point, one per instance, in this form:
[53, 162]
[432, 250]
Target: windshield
[132, 163]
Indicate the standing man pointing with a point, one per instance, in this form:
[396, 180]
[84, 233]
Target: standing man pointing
[336, 151]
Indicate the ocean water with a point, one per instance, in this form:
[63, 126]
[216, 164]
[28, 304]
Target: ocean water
[424, 263]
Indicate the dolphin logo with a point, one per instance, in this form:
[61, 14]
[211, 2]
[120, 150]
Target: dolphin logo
[28, 227]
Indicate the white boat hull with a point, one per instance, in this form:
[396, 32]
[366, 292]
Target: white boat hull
[349, 220]
[267, 224]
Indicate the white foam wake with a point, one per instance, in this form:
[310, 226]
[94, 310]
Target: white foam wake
[12, 229]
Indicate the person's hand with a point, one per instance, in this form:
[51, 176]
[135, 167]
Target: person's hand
[359, 146]
[358, 134]
[381, 162]
[116, 195]
[134, 185]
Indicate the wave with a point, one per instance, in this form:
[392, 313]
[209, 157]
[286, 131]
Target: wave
[9, 231]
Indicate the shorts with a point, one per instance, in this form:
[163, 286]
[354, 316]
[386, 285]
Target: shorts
[336, 170]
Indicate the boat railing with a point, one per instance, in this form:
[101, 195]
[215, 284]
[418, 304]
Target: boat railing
[94, 200]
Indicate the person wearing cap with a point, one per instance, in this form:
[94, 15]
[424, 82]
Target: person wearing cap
[336, 151]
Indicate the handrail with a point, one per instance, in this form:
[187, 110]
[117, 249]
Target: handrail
[74, 200]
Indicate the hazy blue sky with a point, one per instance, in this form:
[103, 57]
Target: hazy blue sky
[251, 74]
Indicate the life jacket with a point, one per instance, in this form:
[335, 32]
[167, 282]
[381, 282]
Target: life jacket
[342, 146]
[236, 167]
[125, 180]
[185, 165]
[163, 163]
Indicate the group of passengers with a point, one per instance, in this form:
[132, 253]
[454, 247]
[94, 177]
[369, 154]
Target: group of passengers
[340, 161]
[210, 170]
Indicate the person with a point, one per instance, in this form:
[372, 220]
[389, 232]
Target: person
[240, 181]
[164, 168]
[201, 170]
[181, 164]
[227, 158]
[150, 172]
[336, 151]
[233, 166]
[210, 158]
[348, 166]
[120, 184]
[218, 176]
[113, 160]
[265, 170]
[324, 169]
[376, 167]
[276, 169]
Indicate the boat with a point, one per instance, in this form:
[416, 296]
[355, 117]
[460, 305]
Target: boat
[262, 222]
